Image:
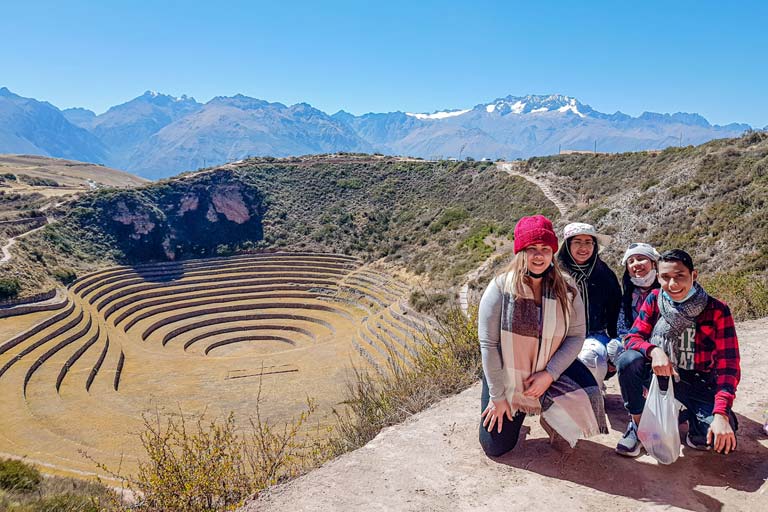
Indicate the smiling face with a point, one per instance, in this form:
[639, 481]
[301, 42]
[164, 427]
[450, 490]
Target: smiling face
[538, 257]
[581, 248]
[639, 265]
[676, 279]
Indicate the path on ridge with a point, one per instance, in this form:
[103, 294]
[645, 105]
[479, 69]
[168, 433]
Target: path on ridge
[510, 168]
[433, 462]
[6, 249]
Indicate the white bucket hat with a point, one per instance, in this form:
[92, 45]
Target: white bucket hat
[646, 250]
[581, 228]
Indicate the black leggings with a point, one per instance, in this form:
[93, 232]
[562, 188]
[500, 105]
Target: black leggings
[496, 443]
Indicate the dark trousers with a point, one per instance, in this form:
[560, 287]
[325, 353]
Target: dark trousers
[695, 390]
[496, 443]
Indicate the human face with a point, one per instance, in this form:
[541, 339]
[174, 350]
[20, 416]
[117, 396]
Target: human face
[639, 265]
[538, 258]
[581, 247]
[676, 279]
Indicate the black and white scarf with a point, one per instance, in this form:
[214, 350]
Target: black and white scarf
[675, 318]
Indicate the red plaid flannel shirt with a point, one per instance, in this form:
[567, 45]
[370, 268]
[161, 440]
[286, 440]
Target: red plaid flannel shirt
[716, 347]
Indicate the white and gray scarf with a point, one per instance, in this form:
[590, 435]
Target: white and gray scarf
[675, 318]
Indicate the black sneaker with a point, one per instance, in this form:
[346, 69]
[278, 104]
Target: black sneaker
[697, 443]
[629, 445]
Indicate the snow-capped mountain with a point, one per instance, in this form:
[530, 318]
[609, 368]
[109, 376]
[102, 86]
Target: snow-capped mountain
[157, 135]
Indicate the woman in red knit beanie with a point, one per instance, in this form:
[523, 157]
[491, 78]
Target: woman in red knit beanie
[531, 327]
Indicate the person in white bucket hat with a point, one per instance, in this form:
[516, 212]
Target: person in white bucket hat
[599, 289]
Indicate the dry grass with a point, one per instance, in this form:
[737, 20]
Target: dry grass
[211, 465]
[446, 364]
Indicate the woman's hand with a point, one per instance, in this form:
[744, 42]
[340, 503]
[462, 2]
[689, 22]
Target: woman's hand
[721, 436]
[537, 384]
[495, 412]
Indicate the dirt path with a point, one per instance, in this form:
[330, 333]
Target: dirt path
[433, 462]
[6, 249]
[512, 169]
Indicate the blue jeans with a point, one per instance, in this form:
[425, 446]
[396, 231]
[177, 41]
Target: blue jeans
[695, 390]
[594, 355]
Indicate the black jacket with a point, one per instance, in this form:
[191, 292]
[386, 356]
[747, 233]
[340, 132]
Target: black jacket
[604, 297]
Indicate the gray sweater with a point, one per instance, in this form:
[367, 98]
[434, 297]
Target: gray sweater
[489, 332]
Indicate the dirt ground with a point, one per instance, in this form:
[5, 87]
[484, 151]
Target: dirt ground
[433, 462]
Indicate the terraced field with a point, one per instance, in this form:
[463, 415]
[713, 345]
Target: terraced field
[191, 337]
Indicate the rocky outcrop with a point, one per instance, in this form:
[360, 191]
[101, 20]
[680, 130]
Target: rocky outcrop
[178, 219]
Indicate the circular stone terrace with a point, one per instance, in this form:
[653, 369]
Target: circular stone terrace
[192, 337]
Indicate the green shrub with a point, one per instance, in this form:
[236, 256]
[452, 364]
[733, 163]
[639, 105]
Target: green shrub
[37, 181]
[422, 301]
[66, 503]
[64, 275]
[451, 218]
[475, 242]
[745, 293]
[9, 287]
[17, 476]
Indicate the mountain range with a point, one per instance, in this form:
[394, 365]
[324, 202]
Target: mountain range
[157, 135]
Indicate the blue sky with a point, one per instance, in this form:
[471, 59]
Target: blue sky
[705, 57]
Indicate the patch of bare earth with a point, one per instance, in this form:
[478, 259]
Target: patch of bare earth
[433, 462]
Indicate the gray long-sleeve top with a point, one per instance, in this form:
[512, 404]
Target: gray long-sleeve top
[489, 332]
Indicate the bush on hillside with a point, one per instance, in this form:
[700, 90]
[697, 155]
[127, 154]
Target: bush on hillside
[422, 301]
[447, 363]
[37, 181]
[745, 293]
[215, 465]
[9, 287]
[67, 502]
[64, 275]
[451, 218]
[17, 476]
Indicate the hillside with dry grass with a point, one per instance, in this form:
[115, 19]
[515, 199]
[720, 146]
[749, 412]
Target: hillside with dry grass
[432, 217]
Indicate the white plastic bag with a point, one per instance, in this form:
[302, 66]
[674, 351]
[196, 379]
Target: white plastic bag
[658, 425]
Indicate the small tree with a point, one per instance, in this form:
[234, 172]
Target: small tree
[9, 287]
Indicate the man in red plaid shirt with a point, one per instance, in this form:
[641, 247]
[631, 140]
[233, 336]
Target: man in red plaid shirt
[684, 333]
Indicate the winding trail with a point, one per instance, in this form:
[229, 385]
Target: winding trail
[511, 168]
[6, 249]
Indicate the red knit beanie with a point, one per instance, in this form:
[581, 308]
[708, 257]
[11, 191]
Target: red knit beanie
[536, 229]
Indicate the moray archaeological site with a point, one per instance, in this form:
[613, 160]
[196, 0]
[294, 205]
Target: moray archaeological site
[193, 294]
[270, 299]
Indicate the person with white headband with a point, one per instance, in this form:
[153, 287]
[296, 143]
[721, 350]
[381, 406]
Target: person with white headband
[640, 267]
[639, 262]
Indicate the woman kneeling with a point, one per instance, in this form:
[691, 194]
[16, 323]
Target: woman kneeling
[531, 328]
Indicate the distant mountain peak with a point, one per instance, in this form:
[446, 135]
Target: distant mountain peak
[242, 102]
[154, 96]
[4, 91]
[443, 114]
[536, 104]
